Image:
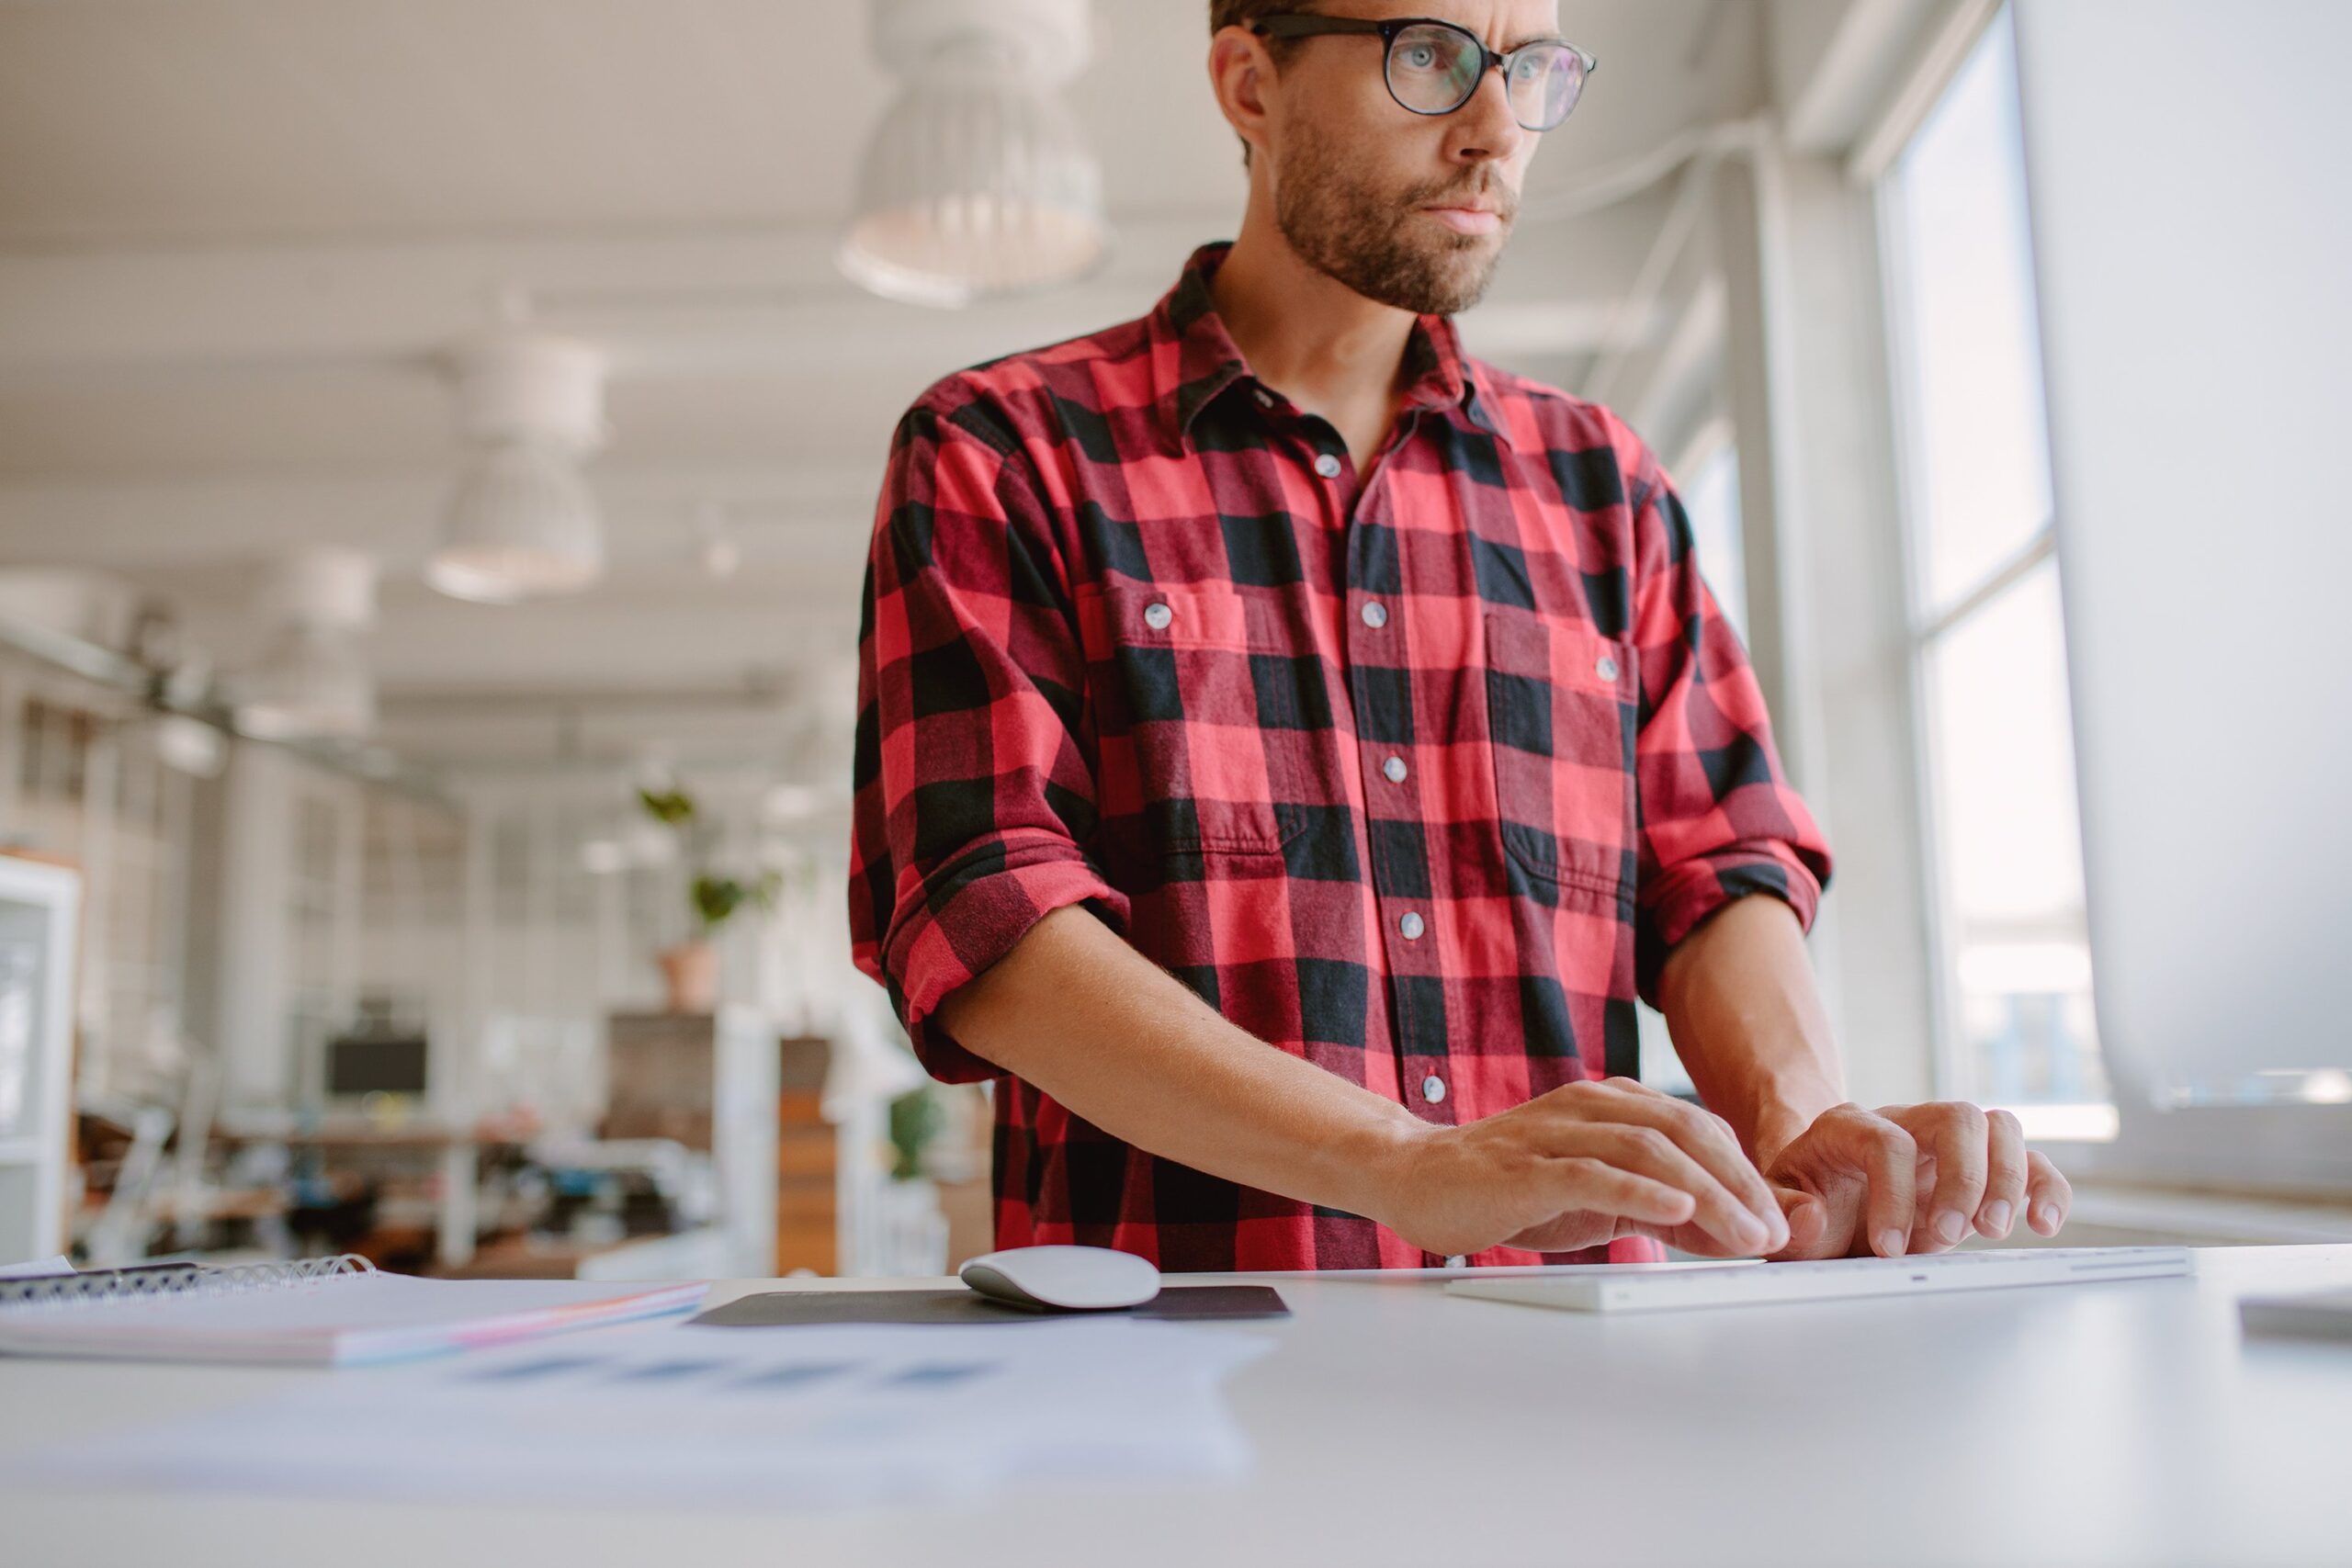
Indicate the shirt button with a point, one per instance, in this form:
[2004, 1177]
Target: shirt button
[1433, 1088]
[1606, 668]
[1457, 1259]
[1157, 615]
[1265, 399]
[1328, 465]
[1410, 925]
[1375, 614]
[1393, 770]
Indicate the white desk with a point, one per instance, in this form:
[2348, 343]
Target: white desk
[2110, 1423]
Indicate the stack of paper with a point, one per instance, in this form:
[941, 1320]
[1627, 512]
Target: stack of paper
[342, 1319]
[681, 1415]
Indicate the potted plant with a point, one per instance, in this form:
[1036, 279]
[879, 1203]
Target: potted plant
[690, 969]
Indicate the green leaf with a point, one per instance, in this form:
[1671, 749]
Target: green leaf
[673, 805]
[915, 1121]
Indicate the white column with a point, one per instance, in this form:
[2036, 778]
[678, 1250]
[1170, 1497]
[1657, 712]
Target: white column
[255, 857]
[1828, 608]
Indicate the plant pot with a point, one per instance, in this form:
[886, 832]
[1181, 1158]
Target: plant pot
[691, 972]
[913, 1230]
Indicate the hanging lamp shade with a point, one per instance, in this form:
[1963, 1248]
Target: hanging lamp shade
[310, 684]
[978, 180]
[313, 681]
[520, 524]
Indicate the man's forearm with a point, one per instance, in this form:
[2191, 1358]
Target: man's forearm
[1076, 1011]
[1740, 997]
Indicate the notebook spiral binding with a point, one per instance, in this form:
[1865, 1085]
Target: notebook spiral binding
[174, 1279]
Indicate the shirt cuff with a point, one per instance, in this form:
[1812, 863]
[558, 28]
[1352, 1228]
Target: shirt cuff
[973, 911]
[1684, 894]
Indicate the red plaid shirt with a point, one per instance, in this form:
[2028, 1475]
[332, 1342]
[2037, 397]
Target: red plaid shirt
[1419, 778]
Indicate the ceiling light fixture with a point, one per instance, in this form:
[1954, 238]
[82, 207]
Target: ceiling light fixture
[522, 523]
[978, 181]
[312, 681]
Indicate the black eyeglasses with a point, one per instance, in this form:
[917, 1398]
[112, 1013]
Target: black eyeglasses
[1433, 67]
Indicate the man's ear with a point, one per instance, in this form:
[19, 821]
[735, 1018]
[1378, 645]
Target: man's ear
[1240, 73]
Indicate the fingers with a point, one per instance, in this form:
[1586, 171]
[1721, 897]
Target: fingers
[1888, 1158]
[1952, 1134]
[2005, 1176]
[1598, 1185]
[2048, 1194]
[1808, 1221]
[1895, 1179]
[1708, 1140]
[1654, 1152]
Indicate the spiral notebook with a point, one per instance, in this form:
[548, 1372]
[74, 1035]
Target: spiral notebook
[318, 1312]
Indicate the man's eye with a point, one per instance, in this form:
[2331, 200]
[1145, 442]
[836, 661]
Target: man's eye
[1418, 57]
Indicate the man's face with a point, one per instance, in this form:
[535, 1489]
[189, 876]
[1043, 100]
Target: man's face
[1411, 210]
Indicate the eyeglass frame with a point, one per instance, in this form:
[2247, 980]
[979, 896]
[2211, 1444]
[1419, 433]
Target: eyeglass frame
[1307, 24]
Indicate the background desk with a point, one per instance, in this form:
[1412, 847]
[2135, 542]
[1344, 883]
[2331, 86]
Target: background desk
[2113, 1423]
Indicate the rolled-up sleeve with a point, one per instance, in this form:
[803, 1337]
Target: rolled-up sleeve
[974, 794]
[1719, 820]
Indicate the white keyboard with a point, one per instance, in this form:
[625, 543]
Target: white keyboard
[1660, 1288]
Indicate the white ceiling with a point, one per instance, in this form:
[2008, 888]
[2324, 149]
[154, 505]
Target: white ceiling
[233, 232]
[184, 122]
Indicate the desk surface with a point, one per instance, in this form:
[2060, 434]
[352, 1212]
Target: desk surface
[2119, 1422]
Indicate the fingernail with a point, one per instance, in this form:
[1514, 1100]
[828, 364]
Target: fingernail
[1752, 1234]
[1950, 1225]
[1890, 1244]
[2045, 1218]
[1996, 1218]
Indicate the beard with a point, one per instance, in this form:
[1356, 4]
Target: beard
[1346, 226]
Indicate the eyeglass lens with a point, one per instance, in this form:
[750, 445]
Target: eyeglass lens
[1435, 69]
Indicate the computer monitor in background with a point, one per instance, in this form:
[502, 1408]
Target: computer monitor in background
[2193, 243]
[362, 1065]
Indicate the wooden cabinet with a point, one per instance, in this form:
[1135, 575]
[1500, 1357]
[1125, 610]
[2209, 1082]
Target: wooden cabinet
[755, 1103]
[807, 1163]
[661, 1076]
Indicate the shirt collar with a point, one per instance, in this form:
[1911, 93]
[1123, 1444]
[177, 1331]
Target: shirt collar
[1196, 360]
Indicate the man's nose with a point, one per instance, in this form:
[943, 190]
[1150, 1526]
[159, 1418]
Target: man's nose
[1485, 128]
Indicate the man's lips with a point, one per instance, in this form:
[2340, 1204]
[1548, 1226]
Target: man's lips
[1467, 219]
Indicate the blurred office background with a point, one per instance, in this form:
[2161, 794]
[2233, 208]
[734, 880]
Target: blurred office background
[437, 451]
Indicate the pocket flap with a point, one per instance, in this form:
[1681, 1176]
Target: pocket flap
[1566, 652]
[1168, 614]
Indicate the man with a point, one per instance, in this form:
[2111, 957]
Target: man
[1287, 747]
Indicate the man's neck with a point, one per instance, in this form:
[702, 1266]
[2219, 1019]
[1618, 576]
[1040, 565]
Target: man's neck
[1302, 331]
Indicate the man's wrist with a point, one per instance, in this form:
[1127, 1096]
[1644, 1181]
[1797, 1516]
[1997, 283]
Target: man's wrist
[1775, 1132]
[1369, 1166]
[1780, 1119]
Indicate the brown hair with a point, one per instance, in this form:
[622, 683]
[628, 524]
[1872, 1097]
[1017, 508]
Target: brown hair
[1225, 14]
[1241, 13]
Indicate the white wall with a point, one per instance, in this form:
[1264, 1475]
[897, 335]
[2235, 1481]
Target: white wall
[2193, 244]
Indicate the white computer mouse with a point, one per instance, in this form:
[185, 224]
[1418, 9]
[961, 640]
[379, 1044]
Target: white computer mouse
[1069, 1278]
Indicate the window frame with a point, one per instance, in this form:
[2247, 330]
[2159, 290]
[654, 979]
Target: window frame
[1877, 166]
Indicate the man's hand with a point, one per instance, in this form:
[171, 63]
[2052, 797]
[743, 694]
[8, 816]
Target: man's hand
[1911, 1179]
[1577, 1166]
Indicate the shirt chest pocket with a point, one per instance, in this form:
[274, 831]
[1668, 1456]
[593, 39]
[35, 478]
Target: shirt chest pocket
[1562, 712]
[1204, 728]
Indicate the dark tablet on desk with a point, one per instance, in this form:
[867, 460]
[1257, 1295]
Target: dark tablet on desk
[2325, 1315]
[780, 1309]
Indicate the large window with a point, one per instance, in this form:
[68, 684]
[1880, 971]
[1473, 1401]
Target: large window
[1710, 492]
[1987, 646]
[1706, 475]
